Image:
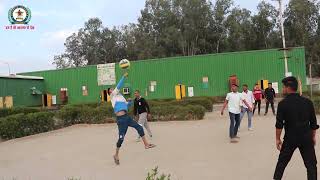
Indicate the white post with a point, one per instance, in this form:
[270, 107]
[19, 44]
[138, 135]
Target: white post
[310, 74]
[9, 71]
[283, 38]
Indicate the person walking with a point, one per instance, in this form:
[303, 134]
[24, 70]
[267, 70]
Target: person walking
[142, 110]
[247, 95]
[234, 101]
[296, 115]
[257, 94]
[270, 95]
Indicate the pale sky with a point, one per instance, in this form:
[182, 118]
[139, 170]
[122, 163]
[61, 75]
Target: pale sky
[54, 20]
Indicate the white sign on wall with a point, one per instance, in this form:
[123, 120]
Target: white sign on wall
[190, 92]
[152, 88]
[54, 99]
[106, 74]
[275, 86]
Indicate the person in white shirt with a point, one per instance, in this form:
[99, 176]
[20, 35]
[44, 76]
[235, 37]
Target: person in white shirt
[234, 100]
[248, 96]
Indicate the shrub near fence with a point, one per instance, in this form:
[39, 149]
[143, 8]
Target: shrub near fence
[20, 125]
[11, 111]
[175, 112]
[206, 102]
[80, 114]
[30, 121]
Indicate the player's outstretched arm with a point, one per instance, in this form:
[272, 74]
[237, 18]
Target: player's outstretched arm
[120, 83]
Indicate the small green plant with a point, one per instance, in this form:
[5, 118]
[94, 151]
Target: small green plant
[154, 175]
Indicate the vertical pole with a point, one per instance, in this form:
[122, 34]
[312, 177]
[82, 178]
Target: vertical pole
[310, 74]
[283, 38]
[9, 68]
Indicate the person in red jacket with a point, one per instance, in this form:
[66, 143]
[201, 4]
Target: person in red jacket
[257, 93]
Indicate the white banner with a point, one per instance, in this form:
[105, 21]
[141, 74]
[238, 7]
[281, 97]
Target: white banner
[106, 74]
[190, 92]
[275, 86]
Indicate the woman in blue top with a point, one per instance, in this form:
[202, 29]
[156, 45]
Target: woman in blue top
[120, 106]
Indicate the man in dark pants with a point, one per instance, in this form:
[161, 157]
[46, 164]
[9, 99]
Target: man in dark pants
[296, 114]
[142, 111]
[257, 93]
[269, 94]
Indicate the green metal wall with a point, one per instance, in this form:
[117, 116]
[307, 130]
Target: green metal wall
[249, 66]
[20, 90]
[73, 79]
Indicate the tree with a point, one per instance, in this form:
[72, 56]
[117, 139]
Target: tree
[239, 29]
[264, 24]
[168, 28]
[61, 62]
[219, 30]
[196, 16]
[74, 50]
[91, 36]
[301, 25]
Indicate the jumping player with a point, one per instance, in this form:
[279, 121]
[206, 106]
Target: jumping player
[120, 106]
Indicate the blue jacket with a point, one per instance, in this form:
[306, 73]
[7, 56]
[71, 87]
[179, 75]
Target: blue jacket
[119, 103]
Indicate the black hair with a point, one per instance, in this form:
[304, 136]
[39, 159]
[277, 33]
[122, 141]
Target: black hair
[245, 85]
[290, 82]
[108, 91]
[269, 83]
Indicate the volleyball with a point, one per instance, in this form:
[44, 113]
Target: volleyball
[124, 64]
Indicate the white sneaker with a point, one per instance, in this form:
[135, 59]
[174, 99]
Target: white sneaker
[250, 129]
[138, 139]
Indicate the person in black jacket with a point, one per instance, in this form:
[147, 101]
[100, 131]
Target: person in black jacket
[142, 110]
[296, 115]
[269, 94]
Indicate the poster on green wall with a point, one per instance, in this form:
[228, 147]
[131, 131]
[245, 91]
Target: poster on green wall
[106, 74]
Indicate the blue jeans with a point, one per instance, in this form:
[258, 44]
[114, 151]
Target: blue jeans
[123, 123]
[250, 114]
[234, 124]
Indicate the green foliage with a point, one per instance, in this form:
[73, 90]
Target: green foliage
[30, 122]
[206, 102]
[85, 113]
[154, 175]
[69, 115]
[168, 28]
[20, 125]
[17, 110]
[167, 112]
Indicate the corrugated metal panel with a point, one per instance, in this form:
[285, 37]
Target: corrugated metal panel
[20, 90]
[249, 66]
[73, 79]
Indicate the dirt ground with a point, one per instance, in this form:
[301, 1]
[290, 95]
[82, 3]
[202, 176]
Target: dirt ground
[195, 150]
